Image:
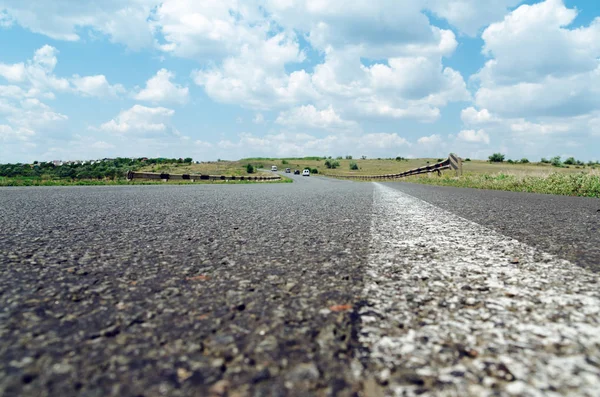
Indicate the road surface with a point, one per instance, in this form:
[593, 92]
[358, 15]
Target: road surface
[320, 287]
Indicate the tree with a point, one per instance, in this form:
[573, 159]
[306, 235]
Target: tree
[332, 164]
[187, 160]
[353, 165]
[496, 158]
[250, 169]
[363, 157]
[524, 161]
[555, 161]
[570, 161]
[348, 157]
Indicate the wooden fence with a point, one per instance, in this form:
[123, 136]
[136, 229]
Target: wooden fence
[196, 177]
[453, 162]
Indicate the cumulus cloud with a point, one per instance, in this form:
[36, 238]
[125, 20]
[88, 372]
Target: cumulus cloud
[310, 117]
[479, 136]
[430, 140]
[140, 120]
[288, 144]
[36, 78]
[160, 88]
[96, 86]
[539, 66]
[122, 22]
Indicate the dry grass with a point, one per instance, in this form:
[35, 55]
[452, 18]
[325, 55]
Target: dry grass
[237, 168]
[388, 166]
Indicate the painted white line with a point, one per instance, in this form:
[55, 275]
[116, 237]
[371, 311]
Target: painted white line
[456, 309]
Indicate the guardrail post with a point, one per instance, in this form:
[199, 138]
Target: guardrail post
[455, 163]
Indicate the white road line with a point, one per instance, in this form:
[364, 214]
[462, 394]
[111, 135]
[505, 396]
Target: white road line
[456, 309]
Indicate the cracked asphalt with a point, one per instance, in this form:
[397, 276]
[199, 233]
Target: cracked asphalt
[206, 290]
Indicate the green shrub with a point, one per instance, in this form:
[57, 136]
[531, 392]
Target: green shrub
[348, 157]
[524, 161]
[544, 160]
[332, 164]
[570, 161]
[555, 161]
[353, 165]
[284, 162]
[510, 161]
[250, 169]
[314, 171]
[496, 158]
[467, 159]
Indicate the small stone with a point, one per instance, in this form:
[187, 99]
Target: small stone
[303, 372]
[516, 388]
[219, 389]
[183, 374]
[62, 368]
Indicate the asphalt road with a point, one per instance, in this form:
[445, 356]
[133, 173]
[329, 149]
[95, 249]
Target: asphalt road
[230, 290]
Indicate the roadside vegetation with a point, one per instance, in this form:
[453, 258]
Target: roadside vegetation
[114, 171]
[553, 176]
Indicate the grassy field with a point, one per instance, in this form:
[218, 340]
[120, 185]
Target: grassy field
[388, 166]
[19, 181]
[530, 177]
[237, 168]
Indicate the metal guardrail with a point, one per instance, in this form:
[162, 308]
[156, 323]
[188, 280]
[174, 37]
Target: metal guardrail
[453, 162]
[196, 177]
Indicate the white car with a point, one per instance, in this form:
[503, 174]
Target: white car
[274, 168]
[306, 172]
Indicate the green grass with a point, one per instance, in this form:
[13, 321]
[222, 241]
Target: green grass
[21, 181]
[586, 184]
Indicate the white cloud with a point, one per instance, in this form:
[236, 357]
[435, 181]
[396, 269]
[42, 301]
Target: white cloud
[13, 73]
[539, 66]
[159, 88]
[96, 86]
[302, 144]
[123, 22]
[36, 78]
[141, 120]
[8, 133]
[258, 118]
[430, 140]
[309, 117]
[470, 15]
[472, 136]
[472, 116]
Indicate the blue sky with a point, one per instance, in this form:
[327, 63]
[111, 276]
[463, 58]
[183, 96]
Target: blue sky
[230, 79]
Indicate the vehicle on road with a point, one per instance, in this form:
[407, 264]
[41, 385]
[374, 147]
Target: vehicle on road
[296, 172]
[274, 168]
[287, 170]
[306, 172]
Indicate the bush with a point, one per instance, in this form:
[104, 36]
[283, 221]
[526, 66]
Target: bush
[187, 160]
[467, 159]
[399, 158]
[555, 161]
[353, 165]
[544, 160]
[284, 162]
[363, 157]
[510, 161]
[339, 158]
[496, 158]
[314, 171]
[250, 169]
[524, 161]
[570, 161]
[348, 157]
[331, 164]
